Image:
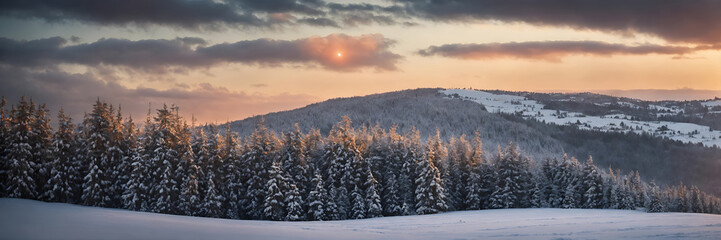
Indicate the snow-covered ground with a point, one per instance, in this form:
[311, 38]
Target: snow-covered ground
[686, 132]
[27, 219]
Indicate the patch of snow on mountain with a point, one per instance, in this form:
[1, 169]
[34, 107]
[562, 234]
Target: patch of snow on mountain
[511, 104]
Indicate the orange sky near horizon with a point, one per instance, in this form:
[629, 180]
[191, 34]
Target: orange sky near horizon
[287, 67]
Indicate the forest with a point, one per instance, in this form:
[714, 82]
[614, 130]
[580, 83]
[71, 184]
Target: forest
[172, 167]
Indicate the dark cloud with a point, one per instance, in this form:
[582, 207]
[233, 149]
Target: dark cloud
[194, 14]
[76, 92]
[178, 13]
[161, 56]
[673, 20]
[550, 50]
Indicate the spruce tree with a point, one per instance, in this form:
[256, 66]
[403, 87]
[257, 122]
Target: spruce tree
[513, 181]
[97, 184]
[274, 207]
[592, 186]
[429, 191]
[318, 200]
[294, 205]
[212, 201]
[358, 210]
[256, 160]
[19, 181]
[656, 202]
[62, 185]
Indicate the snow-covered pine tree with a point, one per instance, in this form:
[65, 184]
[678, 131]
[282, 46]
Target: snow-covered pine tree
[294, 205]
[212, 204]
[41, 139]
[62, 185]
[19, 181]
[191, 199]
[429, 191]
[274, 207]
[656, 202]
[414, 152]
[569, 200]
[97, 184]
[513, 181]
[610, 191]
[392, 157]
[294, 161]
[135, 195]
[358, 210]
[592, 186]
[318, 200]
[474, 187]
[373, 199]
[552, 189]
[230, 155]
[342, 172]
[460, 169]
[259, 156]
[167, 151]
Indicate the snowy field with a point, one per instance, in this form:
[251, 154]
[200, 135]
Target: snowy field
[685, 132]
[27, 219]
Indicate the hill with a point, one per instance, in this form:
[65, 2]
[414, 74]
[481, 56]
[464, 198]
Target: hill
[656, 157]
[27, 219]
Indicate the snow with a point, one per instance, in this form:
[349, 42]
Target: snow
[685, 132]
[712, 103]
[27, 219]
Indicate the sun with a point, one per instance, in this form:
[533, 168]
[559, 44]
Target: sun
[339, 54]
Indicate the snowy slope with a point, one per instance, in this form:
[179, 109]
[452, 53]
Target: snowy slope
[685, 132]
[27, 219]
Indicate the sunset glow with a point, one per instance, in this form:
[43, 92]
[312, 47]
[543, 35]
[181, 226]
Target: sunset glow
[254, 58]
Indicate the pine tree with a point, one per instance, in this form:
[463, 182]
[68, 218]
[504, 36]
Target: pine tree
[274, 207]
[135, 196]
[62, 185]
[257, 159]
[592, 186]
[41, 139]
[390, 195]
[191, 197]
[513, 182]
[97, 184]
[473, 199]
[19, 182]
[294, 160]
[429, 191]
[373, 199]
[656, 202]
[318, 200]
[212, 201]
[233, 187]
[358, 210]
[294, 205]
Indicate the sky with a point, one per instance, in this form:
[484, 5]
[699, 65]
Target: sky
[224, 60]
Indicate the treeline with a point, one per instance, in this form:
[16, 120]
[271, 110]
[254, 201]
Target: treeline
[174, 168]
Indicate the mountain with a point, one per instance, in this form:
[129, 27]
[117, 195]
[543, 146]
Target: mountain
[656, 157]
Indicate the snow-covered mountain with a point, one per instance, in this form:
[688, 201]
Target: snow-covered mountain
[28, 219]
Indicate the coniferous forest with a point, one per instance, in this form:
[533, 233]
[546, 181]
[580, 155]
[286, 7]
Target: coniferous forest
[168, 166]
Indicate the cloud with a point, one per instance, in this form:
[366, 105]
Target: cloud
[673, 20]
[189, 14]
[550, 50]
[76, 92]
[161, 55]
